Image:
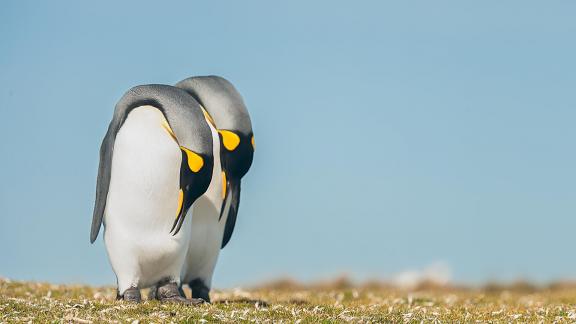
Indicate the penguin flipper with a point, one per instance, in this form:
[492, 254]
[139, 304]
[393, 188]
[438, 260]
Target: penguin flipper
[104, 172]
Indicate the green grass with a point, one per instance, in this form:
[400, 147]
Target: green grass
[289, 303]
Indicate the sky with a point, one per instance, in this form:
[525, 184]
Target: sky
[390, 136]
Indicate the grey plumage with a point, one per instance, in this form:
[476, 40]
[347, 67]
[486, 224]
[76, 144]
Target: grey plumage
[184, 117]
[221, 99]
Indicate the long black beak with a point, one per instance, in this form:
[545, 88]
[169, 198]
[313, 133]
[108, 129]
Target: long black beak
[178, 223]
[230, 207]
[191, 191]
[193, 184]
[186, 204]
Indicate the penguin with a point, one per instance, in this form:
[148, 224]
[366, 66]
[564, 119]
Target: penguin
[216, 211]
[155, 160]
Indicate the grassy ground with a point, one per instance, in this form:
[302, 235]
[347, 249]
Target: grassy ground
[293, 303]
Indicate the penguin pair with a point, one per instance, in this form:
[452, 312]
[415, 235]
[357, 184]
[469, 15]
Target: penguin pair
[168, 186]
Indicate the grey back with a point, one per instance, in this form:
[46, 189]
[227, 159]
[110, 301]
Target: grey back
[221, 100]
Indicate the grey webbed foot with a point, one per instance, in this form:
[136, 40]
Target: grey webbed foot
[170, 293]
[199, 290]
[131, 294]
[154, 291]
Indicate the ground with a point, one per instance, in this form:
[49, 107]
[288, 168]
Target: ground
[337, 301]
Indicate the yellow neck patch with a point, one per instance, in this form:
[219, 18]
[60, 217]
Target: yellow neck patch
[253, 144]
[229, 139]
[195, 161]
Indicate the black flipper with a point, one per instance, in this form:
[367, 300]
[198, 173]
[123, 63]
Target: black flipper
[103, 180]
[233, 195]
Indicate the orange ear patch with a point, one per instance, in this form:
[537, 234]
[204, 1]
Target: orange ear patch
[229, 139]
[195, 161]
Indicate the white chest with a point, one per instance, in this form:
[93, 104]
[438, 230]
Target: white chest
[143, 193]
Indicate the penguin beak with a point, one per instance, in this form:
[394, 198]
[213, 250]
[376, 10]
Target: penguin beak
[177, 224]
[231, 200]
[195, 176]
[184, 203]
[188, 195]
[234, 200]
[230, 207]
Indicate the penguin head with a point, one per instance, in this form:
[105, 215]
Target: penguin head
[195, 177]
[195, 173]
[236, 152]
[226, 110]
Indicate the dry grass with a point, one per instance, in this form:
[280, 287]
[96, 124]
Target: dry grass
[337, 301]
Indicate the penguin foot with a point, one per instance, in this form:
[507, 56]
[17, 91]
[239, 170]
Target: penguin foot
[199, 290]
[154, 291]
[170, 293]
[131, 294]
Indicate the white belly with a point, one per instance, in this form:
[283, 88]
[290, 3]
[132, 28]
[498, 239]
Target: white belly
[142, 202]
[206, 231]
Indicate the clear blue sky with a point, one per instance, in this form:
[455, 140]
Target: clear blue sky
[389, 135]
